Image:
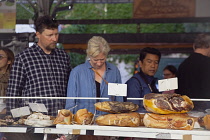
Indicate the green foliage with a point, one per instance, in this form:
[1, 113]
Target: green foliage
[74, 29]
[76, 59]
[113, 28]
[162, 28]
[82, 11]
[119, 11]
[100, 29]
[22, 13]
[98, 11]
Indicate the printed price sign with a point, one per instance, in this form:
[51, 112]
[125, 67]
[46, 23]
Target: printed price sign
[19, 112]
[168, 84]
[115, 89]
[35, 107]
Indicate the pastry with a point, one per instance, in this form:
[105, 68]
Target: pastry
[64, 117]
[83, 117]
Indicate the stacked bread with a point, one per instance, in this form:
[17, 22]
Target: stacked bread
[82, 117]
[122, 114]
[168, 111]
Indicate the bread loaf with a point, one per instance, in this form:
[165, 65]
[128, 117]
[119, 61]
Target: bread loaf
[169, 121]
[83, 117]
[64, 117]
[116, 107]
[167, 103]
[201, 121]
[206, 120]
[124, 119]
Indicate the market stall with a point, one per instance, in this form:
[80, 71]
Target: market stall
[93, 129]
[141, 132]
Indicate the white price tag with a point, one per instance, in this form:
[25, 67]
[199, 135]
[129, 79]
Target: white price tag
[35, 107]
[168, 84]
[163, 136]
[19, 112]
[115, 89]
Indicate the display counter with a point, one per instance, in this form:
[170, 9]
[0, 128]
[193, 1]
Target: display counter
[141, 132]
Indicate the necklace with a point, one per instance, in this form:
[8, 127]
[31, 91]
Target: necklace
[99, 75]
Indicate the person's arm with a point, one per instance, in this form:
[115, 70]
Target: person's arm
[71, 91]
[16, 84]
[133, 90]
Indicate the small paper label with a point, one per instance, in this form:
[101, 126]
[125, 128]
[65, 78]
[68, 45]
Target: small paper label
[35, 107]
[19, 112]
[115, 89]
[163, 136]
[168, 84]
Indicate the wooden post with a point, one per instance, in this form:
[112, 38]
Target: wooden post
[187, 137]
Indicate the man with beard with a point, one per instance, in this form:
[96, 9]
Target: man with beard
[144, 81]
[41, 70]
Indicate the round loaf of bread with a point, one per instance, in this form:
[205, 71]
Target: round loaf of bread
[206, 120]
[169, 121]
[64, 117]
[83, 117]
[167, 103]
[116, 107]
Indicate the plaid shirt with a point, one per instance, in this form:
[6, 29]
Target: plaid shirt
[36, 74]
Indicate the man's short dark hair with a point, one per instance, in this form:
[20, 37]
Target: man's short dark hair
[45, 22]
[202, 41]
[149, 50]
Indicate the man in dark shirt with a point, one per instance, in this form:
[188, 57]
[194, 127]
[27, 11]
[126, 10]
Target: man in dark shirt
[144, 81]
[41, 70]
[194, 73]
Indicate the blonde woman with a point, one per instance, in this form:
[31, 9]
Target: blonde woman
[91, 78]
[6, 61]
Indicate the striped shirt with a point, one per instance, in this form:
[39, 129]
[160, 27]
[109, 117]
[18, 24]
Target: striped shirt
[36, 74]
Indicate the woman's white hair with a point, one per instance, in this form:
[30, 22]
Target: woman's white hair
[97, 45]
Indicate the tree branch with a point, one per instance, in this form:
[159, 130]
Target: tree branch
[35, 10]
[56, 6]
